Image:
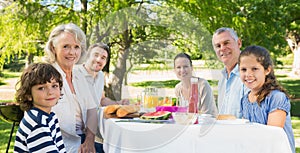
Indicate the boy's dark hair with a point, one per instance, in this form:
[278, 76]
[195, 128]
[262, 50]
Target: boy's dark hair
[36, 73]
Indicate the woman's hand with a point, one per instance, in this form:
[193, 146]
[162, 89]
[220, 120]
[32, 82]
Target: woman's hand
[123, 102]
[88, 145]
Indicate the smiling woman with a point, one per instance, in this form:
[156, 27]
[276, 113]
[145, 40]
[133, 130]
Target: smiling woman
[65, 45]
[183, 69]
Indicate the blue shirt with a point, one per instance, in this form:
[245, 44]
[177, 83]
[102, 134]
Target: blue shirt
[276, 100]
[39, 132]
[230, 92]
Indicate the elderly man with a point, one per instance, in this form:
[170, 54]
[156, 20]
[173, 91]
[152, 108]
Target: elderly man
[227, 46]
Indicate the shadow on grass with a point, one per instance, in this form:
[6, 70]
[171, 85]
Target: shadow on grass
[6, 75]
[9, 74]
[292, 86]
[2, 82]
[295, 108]
[157, 84]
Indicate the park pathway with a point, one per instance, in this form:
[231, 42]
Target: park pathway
[7, 91]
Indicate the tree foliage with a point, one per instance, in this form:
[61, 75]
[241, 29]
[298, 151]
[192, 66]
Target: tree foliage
[260, 22]
[147, 31]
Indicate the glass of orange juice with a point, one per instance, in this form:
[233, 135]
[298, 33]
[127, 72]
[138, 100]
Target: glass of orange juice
[150, 99]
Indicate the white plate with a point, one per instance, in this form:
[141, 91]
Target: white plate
[154, 121]
[138, 120]
[236, 121]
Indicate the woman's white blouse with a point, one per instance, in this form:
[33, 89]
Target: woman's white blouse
[66, 109]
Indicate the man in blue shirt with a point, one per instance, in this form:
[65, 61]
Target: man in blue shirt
[230, 88]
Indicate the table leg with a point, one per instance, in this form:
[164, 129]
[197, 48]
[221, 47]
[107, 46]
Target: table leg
[11, 132]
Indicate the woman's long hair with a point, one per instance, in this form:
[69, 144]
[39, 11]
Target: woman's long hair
[263, 57]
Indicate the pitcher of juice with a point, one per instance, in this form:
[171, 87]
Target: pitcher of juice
[194, 100]
[150, 99]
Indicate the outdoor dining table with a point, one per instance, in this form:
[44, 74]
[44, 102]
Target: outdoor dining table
[130, 136]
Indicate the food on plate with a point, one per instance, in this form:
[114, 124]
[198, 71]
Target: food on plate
[158, 115]
[119, 111]
[226, 117]
[127, 109]
[111, 109]
[164, 101]
[131, 115]
[174, 101]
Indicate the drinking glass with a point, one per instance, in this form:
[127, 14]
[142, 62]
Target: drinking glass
[194, 99]
[150, 99]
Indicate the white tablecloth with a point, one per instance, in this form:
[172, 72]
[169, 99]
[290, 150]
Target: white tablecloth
[128, 137]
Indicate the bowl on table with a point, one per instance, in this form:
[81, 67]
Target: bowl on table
[184, 118]
[206, 119]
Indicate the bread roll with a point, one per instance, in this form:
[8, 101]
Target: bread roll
[127, 109]
[111, 109]
[226, 117]
[109, 115]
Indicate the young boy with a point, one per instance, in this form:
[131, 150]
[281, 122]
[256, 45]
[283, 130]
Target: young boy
[39, 89]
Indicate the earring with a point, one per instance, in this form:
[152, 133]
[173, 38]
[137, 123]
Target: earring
[61, 96]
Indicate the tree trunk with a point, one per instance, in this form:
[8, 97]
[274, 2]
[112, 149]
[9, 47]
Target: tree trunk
[29, 59]
[117, 77]
[82, 17]
[130, 66]
[296, 62]
[295, 47]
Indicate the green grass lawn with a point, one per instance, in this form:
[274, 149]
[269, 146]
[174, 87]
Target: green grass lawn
[5, 129]
[6, 74]
[296, 129]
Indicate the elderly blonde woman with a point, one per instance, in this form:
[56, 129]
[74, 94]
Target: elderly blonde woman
[76, 109]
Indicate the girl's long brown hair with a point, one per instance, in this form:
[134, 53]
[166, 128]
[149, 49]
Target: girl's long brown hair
[263, 57]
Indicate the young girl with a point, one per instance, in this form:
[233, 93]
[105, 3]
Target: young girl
[183, 69]
[39, 90]
[267, 102]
